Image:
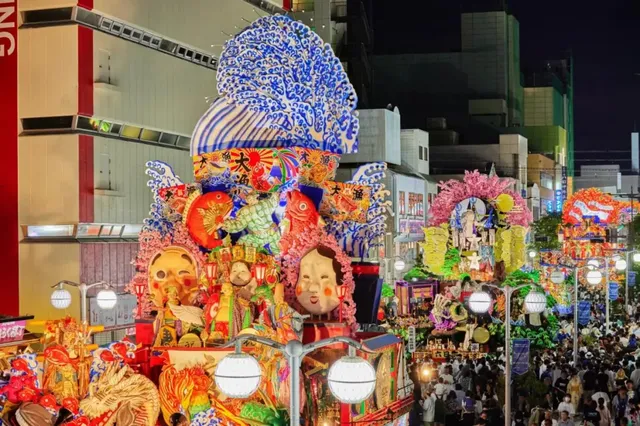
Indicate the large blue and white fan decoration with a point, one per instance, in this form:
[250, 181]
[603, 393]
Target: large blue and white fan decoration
[280, 86]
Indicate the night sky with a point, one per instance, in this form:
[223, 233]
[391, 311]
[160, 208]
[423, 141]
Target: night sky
[604, 37]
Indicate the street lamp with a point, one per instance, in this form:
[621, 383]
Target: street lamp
[631, 255]
[61, 298]
[478, 303]
[351, 378]
[399, 265]
[532, 254]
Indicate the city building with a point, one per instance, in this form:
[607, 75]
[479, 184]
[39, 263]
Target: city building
[545, 175]
[508, 156]
[475, 85]
[105, 86]
[406, 153]
[548, 112]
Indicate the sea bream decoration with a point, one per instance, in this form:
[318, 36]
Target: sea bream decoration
[262, 240]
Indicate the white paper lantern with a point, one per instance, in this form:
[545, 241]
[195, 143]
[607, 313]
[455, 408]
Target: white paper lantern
[61, 298]
[557, 277]
[479, 302]
[594, 277]
[238, 375]
[399, 265]
[535, 302]
[106, 299]
[351, 379]
[621, 264]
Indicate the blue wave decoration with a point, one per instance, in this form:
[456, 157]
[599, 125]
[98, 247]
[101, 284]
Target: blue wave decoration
[281, 85]
[356, 238]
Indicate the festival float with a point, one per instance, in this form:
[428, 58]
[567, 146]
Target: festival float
[476, 233]
[259, 248]
[256, 254]
[587, 233]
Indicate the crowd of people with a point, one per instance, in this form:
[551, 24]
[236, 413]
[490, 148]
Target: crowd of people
[603, 389]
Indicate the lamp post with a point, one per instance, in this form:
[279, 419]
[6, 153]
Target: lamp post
[535, 302]
[620, 265]
[106, 298]
[631, 255]
[351, 379]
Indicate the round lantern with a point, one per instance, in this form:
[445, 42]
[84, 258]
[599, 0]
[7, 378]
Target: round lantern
[557, 277]
[621, 264]
[636, 257]
[351, 379]
[479, 302]
[532, 254]
[399, 265]
[61, 298]
[107, 299]
[238, 375]
[594, 277]
[535, 302]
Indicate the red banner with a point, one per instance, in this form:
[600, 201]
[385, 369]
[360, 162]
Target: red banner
[9, 157]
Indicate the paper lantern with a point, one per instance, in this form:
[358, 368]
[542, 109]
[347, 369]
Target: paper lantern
[61, 298]
[107, 299]
[238, 375]
[480, 302]
[535, 302]
[594, 277]
[351, 379]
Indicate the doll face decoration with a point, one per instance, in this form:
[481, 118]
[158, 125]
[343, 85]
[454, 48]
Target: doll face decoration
[317, 287]
[240, 274]
[173, 268]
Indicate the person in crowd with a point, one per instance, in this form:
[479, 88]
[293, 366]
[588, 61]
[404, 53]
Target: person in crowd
[564, 419]
[440, 411]
[548, 417]
[590, 412]
[566, 405]
[460, 394]
[620, 405]
[605, 414]
[550, 402]
[453, 408]
[429, 408]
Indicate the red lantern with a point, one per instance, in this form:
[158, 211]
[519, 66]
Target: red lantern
[211, 271]
[140, 289]
[258, 272]
[342, 293]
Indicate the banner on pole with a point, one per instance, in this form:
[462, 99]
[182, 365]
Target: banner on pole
[613, 291]
[584, 312]
[632, 278]
[520, 356]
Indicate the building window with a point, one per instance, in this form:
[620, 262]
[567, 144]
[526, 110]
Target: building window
[546, 181]
[426, 153]
[420, 152]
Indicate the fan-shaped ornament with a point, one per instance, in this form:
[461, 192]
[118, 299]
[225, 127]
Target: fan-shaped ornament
[206, 215]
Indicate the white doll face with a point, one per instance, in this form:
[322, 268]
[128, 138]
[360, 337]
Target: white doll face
[240, 274]
[317, 287]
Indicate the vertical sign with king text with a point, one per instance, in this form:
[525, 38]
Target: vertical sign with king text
[9, 157]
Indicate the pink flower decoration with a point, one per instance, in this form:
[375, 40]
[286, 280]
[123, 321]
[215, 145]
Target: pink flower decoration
[475, 184]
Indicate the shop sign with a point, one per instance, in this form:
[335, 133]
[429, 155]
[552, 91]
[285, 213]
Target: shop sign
[12, 331]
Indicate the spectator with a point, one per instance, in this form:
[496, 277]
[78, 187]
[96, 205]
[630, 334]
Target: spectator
[620, 405]
[564, 419]
[452, 409]
[566, 405]
[590, 413]
[548, 418]
[429, 409]
[605, 414]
